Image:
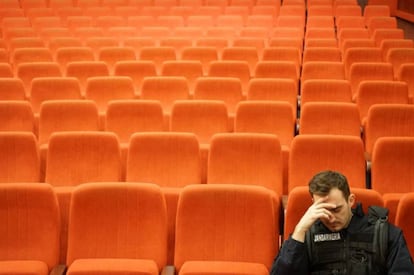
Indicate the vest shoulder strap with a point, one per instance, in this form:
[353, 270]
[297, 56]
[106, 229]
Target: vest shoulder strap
[378, 216]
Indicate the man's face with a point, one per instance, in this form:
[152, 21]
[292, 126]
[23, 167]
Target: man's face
[342, 212]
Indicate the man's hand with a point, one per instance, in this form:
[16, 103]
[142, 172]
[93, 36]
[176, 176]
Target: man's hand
[320, 209]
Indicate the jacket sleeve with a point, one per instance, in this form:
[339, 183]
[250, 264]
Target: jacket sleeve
[399, 260]
[292, 259]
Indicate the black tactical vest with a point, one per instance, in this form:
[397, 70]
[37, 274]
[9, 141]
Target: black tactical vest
[360, 253]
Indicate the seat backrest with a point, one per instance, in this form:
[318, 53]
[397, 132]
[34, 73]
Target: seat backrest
[277, 69]
[53, 88]
[16, 116]
[103, 89]
[23, 55]
[82, 70]
[67, 115]
[158, 55]
[231, 68]
[82, 156]
[376, 10]
[362, 71]
[381, 34]
[125, 117]
[132, 220]
[166, 89]
[6, 70]
[230, 160]
[136, 70]
[360, 54]
[19, 157]
[388, 120]
[372, 92]
[249, 54]
[211, 216]
[30, 220]
[402, 220]
[310, 154]
[337, 118]
[190, 69]
[227, 89]
[271, 117]
[30, 70]
[405, 74]
[331, 90]
[399, 56]
[388, 44]
[204, 54]
[273, 89]
[111, 55]
[65, 55]
[167, 159]
[322, 70]
[204, 118]
[283, 54]
[392, 158]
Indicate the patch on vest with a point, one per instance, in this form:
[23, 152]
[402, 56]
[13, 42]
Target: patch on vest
[327, 237]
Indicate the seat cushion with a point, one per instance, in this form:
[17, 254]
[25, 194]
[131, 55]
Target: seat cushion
[216, 268]
[23, 268]
[113, 266]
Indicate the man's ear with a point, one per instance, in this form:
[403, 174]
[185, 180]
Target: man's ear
[351, 200]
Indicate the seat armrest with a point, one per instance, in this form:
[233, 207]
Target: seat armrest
[168, 270]
[58, 270]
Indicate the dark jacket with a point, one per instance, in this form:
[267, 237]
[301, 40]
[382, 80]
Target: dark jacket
[293, 257]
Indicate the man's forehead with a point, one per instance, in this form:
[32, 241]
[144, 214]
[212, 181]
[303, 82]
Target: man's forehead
[334, 196]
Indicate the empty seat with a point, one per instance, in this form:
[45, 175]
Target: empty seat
[362, 71]
[102, 89]
[137, 70]
[228, 68]
[66, 115]
[286, 42]
[387, 120]
[217, 42]
[321, 42]
[230, 160]
[322, 70]
[6, 70]
[226, 89]
[204, 118]
[357, 43]
[82, 156]
[28, 212]
[399, 56]
[19, 158]
[283, 54]
[127, 247]
[331, 54]
[190, 69]
[310, 154]
[268, 89]
[277, 69]
[158, 55]
[404, 211]
[53, 88]
[388, 44]
[199, 53]
[380, 92]
[125, 117]
[360, 54]
[30, 70]
[82, 70]
[391, 158]
[381, 22]
[331, 118]
[331, 90]
[352, 33]
[16, 115]
[211, 216]
[406, 73]
[248, 54]
[24, 55]
[111, 55]
[166, 89]
[376, 10]
[97, 43]
[381, 34]
[72, 54]
[26, 42]
[63, 42]
[179, 43]
[270, 117]
[11, 89]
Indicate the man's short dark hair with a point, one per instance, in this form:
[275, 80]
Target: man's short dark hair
[323, 182]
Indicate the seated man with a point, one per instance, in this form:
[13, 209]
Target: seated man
[332, 238]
